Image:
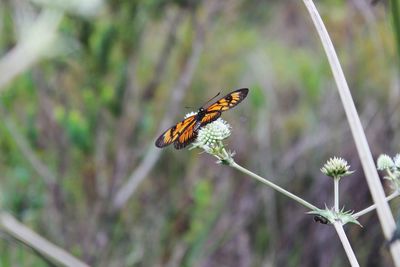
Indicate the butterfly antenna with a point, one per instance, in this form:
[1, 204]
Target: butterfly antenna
[212, 98]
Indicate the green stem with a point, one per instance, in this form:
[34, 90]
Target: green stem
[391, 175]
[336, 189]
[346, 244]
[372, 207]
[274, 186]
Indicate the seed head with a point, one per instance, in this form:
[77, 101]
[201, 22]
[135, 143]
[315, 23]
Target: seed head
[210, 139]
[213, 133]
[385, 162]
[336, 168]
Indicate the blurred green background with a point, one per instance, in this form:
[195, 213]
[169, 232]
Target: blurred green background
[81, 123]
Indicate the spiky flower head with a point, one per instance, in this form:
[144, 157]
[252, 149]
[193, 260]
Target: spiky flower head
[210, 139]
[385, 162]
[336, 168]
[392, 169]
[213, 133]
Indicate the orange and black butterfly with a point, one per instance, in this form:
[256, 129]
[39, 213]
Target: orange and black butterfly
[185, 132]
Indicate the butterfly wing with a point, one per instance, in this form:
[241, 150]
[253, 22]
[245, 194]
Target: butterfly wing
[227, 102]
[171, 135]
[187, 136]
[210, 116]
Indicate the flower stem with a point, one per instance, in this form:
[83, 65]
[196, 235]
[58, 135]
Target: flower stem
[372, 207]
[391, 175]
[346, 244]
[336, 189]
[274, 186]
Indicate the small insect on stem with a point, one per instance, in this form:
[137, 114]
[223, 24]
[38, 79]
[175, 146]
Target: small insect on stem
[321, 219]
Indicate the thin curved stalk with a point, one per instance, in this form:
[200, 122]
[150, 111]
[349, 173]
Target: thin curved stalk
[372, 207]
[385, 216]
[273, 186]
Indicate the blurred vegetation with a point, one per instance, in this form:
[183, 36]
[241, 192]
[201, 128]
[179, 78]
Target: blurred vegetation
[91, 110]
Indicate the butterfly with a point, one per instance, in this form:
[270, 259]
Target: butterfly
[185, 132]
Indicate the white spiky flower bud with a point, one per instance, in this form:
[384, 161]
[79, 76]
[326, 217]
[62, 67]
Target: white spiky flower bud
[210, 138]
[213, 133]
[336, 168]
[385, 162]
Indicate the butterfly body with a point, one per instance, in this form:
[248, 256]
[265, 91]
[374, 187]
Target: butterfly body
[185, 132]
